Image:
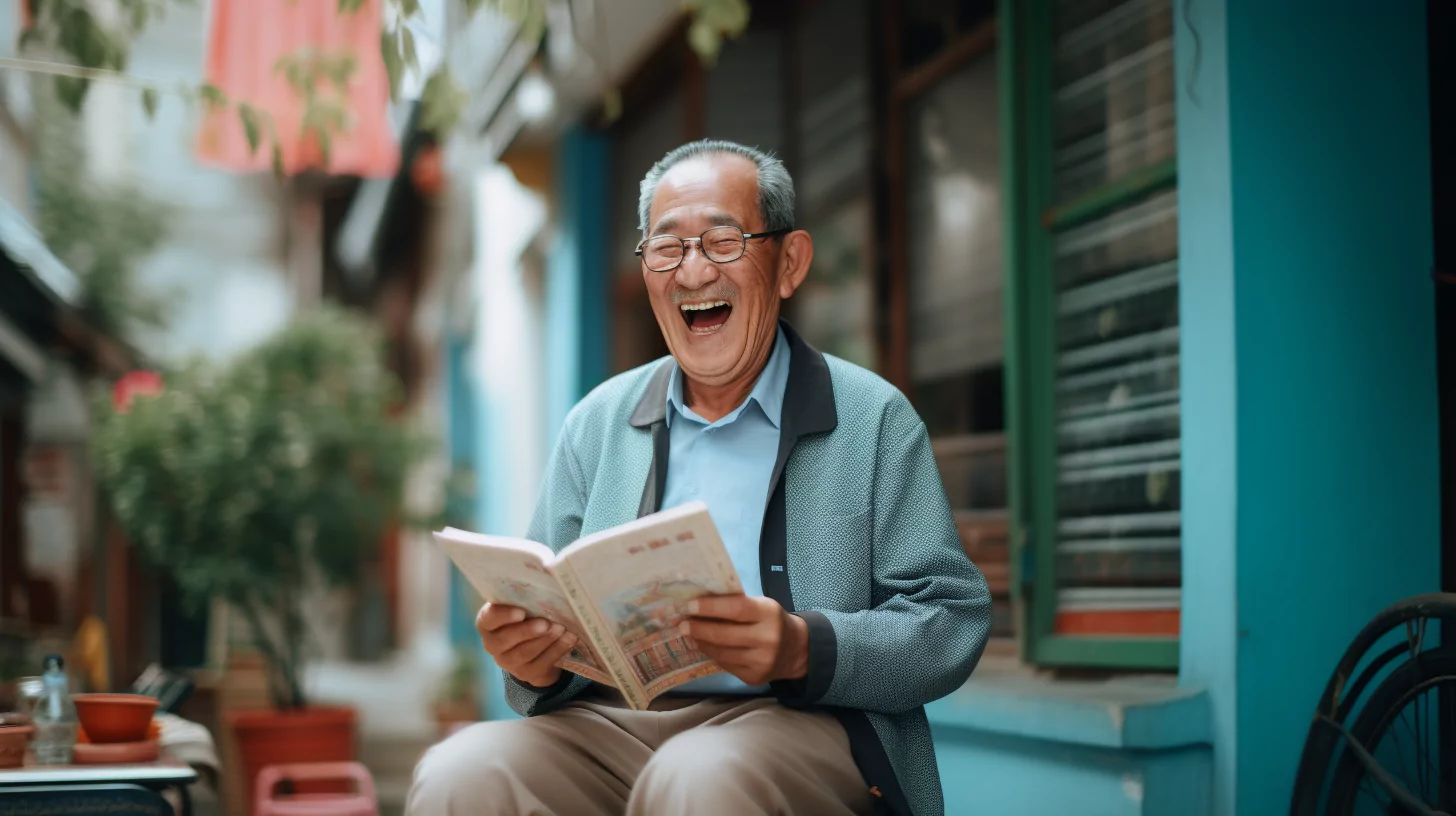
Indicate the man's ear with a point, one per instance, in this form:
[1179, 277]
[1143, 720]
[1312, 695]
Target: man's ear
[794, 262]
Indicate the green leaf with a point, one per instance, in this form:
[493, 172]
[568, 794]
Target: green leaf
[612, 105]
[31, 37]
[393, 64]
[149, 102]
[251, 127]
[277, 159]
[705, 41]
[339, 68]
[139, 14]
[212, 96]
[292, 66]
[350, 6]
[533, 26]
[712, 22]
[72, 92]
[441, 102]
[409, 8]
[407, 37]
[326, 145]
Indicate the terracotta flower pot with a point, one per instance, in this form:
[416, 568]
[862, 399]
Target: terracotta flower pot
[314, 734]
[112, 718]
[450, 716]
[14, 739]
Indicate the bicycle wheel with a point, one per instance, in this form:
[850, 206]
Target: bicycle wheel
[1399, 728]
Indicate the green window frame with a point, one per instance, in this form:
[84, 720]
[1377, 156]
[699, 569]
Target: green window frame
[1031, 224]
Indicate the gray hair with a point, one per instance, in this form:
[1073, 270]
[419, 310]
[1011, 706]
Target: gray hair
[775, 186]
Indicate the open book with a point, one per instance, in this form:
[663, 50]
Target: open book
[620, 591]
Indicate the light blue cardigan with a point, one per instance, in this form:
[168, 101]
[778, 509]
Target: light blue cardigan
[858, 522]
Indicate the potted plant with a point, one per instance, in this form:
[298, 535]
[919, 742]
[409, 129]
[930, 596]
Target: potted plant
[260, 481]
[457, 702]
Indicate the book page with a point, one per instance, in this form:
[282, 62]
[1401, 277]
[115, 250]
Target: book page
[640, 575]
[514, 573]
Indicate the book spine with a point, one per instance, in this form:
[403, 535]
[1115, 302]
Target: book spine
[605, 643]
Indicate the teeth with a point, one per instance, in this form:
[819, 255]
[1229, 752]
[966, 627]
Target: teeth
[698, 307]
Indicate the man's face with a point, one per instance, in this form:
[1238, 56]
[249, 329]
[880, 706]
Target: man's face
[731, 338]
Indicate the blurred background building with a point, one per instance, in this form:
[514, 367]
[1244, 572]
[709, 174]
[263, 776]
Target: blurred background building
[1157, 276]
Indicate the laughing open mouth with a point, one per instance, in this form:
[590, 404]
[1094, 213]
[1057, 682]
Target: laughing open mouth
[703, 318]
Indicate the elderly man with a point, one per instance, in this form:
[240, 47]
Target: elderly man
[860, 605]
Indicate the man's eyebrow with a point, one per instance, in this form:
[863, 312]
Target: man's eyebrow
[669, 223]
[724, 220]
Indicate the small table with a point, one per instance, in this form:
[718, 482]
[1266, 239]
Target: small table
[157, 776]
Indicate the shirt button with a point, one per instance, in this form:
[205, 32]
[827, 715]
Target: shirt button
[693, 490]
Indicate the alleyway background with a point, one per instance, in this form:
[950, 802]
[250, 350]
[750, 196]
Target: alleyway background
[1157, 275]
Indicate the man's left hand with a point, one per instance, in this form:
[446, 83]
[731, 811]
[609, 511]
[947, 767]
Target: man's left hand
[754, 639]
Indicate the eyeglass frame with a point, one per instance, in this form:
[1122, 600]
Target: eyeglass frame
[699, 240]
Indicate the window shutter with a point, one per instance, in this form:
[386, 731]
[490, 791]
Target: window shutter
[1113, 226]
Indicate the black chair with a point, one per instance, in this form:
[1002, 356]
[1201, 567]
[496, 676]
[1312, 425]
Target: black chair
[1383, 738]
[89, 800]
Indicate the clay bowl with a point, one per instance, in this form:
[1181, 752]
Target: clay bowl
[14, 739]
[115, 717]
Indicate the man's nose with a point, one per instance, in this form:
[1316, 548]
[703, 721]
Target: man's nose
[695, 271]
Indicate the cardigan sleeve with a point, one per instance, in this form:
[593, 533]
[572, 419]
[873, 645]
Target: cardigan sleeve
[932, 609]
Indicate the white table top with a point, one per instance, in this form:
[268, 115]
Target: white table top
[161, 771]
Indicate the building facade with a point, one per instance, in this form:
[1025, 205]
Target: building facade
[1157, 276]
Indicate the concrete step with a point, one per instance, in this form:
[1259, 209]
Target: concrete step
[391, 759]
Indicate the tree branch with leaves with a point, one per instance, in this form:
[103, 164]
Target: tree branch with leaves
[96, 48]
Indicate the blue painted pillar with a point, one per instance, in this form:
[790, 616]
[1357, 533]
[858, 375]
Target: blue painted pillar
[460, 405]
[574, 336]
[1309, 404]
[1208, 641]
[577, 294]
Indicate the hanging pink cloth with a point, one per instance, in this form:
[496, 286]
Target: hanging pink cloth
[247, 39]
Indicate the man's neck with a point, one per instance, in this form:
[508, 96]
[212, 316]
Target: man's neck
[713, 402]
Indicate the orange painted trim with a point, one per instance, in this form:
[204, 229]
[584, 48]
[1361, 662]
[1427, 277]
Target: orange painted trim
[1159, 622]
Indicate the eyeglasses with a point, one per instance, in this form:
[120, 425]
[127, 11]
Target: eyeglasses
[664, 253]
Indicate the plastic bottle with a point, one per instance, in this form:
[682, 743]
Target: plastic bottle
[54, 716]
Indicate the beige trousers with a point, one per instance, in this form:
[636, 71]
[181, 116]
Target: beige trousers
[709, 756]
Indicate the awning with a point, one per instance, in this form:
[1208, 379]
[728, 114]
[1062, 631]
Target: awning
[39, 306]
[248, 38]
[34, 285]
[23, 245]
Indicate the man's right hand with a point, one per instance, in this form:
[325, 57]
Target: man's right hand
[527, 648]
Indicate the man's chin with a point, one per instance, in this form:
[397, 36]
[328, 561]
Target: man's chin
[705, 359]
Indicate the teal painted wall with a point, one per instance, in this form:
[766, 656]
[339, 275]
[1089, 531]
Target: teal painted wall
[1306, 255]
[1338, 509]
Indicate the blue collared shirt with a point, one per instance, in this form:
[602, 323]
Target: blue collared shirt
[727, 465]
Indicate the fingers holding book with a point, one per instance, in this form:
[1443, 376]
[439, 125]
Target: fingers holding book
[527, 648]
[753, 638]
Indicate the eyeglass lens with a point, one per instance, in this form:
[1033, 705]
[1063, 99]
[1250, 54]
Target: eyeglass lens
[719, 245]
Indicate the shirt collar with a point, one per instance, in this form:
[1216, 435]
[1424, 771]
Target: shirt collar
[768, 392]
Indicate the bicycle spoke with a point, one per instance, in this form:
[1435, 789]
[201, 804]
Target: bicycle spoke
[1372, 790]
[1422, 762]
[1392, 734]
[1420, 746]
[1427, 767]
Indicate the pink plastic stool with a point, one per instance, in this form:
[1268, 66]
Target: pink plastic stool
[360, 803]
